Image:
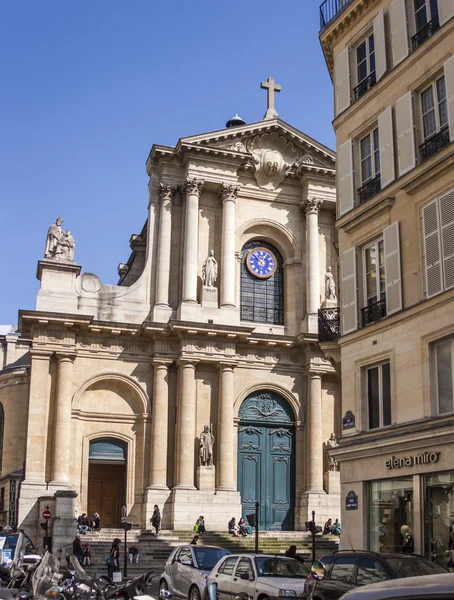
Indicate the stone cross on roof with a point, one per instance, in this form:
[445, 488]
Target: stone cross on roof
[271, 87]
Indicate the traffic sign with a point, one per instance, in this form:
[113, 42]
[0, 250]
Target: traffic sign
[47, 514]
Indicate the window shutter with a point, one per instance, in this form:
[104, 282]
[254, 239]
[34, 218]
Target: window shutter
[386, 138]
[379, 45]
[405, 134]
[349, 304]
[432, 254]
[399, 34]
[342, 80]
[449, 82]
[345, 177]
[445, 10]
[447, 238]
[393, 280]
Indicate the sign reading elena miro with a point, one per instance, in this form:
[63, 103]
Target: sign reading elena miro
[426, 458]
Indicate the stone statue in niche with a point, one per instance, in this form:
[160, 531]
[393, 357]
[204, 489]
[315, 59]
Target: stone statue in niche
[330, 444]
[210, 270]
[206, 446]
[330, 286]
[59, 244]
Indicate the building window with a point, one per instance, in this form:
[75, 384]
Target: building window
[365, 66]
[444, 375]
[262, 298]
[378, 382]
[434, 112]
[369, 149]
[426, 21]
[391, 506]
[374, 283]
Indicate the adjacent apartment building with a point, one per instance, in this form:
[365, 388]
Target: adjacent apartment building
[392, 66]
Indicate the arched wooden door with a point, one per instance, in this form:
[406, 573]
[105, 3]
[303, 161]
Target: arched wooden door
[266, 460]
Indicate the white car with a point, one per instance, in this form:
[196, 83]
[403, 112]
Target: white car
[260, 576]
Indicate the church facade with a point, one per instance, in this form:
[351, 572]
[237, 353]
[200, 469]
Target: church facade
[196, 383]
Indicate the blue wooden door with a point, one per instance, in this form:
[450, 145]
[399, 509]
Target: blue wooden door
[266, 457]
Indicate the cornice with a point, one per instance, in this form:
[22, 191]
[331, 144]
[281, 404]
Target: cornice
[365, 212]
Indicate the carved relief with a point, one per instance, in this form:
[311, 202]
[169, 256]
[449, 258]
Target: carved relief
[273, 156]
[193, 186]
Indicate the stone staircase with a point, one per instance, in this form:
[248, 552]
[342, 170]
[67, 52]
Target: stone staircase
[154, 551]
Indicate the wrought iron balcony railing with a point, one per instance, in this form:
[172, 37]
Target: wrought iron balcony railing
[365, 85]
[374, 312]
[425, 32]
[434, 144]
[369, 189]
[330, 9]
[328, 324]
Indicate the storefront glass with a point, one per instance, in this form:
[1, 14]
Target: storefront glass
[439, 517]
[391, 506]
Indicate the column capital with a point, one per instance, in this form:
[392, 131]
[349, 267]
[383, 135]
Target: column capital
[311, 373]
[161, 362]
[187, 362]
[65, 356]
[167, 191]
[38, 354]
[193, 186]
[229, 192]
[311, 206]
[227, 366]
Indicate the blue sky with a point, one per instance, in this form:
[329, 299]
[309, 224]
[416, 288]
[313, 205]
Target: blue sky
[88, 87]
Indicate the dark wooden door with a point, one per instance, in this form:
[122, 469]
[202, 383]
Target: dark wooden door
[106, 492]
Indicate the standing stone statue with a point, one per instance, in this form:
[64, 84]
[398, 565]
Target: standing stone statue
[332, 443]
[210, 270]
[68, 246]
[54, 235]
[206, 446]
[330, 286]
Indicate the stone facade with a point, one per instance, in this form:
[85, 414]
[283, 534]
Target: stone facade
[149, 362]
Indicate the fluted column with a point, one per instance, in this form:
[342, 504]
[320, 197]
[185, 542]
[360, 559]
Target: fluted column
[192, 190]
[315, 425]
[166, 192]
[228, 195]
[159, 424]
[186, 419]
[62, 426]
[225, 430]
[312, 207]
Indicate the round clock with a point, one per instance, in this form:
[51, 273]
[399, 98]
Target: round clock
[261, 262]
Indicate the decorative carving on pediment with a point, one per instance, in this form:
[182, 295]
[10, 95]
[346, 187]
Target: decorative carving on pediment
[238, 147]
[274, 156]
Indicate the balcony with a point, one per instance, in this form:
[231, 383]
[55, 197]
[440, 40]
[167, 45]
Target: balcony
[365, 85]
[434, 144]
[374, 312]
[369, 189]
[425, 33]
[330, 9]
[328, 324]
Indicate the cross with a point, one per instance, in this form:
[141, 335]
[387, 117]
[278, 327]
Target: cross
[271, 87]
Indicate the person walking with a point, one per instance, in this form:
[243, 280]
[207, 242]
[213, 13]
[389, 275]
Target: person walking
[77, 549]
[156, 519]
[86, 557]
[113, 560]
[291, 553]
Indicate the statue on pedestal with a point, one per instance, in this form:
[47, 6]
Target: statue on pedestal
[59, 244]
[332, 443]
[206, 447]
[210, 270]
[330, 286]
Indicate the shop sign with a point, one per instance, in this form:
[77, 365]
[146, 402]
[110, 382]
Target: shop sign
[408, 461]
[348, 422]
[351, 501]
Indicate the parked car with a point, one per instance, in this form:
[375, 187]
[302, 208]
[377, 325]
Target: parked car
[346, 570]
[264, 576]
[186, 570]
[426, 587]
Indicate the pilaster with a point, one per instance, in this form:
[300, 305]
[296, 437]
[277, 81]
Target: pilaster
[159, 425]
[228, 194]
[162, 310]
[192, 190]
[186, 419]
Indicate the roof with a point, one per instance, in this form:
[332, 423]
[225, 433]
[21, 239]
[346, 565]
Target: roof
[425, 585]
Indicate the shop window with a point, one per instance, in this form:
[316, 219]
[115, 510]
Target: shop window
[378, 382]
[343, 568]
[438, 516]
[365, 66]
[370, 571]
[391, 507]
[444, 375]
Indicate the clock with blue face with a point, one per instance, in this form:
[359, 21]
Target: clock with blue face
[261, 263]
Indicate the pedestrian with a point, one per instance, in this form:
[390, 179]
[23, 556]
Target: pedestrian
[233, 527]
[83, 524]
[77, 549]
[291, 553]
[156, 519]
[408, 543]
[134, 555]
[194, 540]
[200, 524]
[113, 560]
[242, 527]
[96, 522]
[86, 556]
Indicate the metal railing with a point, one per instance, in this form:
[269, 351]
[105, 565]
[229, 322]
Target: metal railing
[425, 32]
[369, 189]
[365, 85]
[374, 312]
[330, 9]
[434, 144]
[328, 324]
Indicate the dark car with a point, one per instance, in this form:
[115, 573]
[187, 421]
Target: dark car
[346, 570]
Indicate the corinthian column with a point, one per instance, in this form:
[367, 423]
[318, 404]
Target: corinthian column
[186, 425]
[314, 421]
[192, 189]
[166, 192]
[228, 195]
[225, 427]
[62, 436]
[159, 428]
[312, 207]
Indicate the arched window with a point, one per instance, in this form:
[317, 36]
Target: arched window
[2, 427]
[261, 292]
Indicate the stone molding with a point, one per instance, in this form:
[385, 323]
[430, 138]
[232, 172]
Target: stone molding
[311, 206]
[229, 192]
[193, 186]
[65, 356]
